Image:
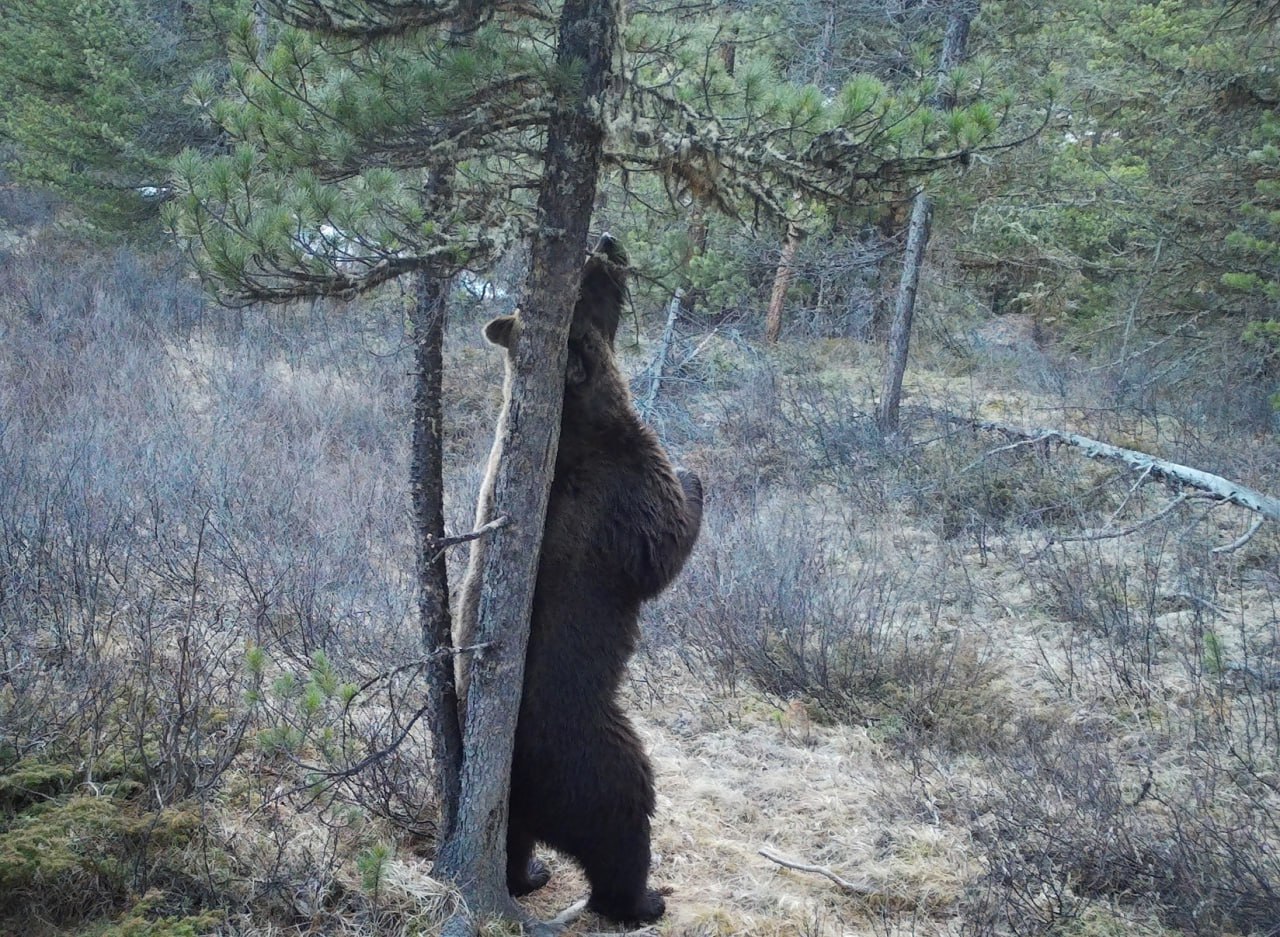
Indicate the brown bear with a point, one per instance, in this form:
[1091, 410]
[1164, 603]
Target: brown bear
[621, 520]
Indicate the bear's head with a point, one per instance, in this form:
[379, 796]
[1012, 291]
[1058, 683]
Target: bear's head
[595, 316]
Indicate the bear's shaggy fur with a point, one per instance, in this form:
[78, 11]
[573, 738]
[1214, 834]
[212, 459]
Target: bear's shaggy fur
[621, 521]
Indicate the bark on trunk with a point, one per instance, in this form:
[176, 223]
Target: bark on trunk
[904, 311]
[427, 486]
[476, 857]
[955, 41]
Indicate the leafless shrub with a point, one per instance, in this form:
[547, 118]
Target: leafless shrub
[1111, 602]
[840, 441]
[1151, 789]
[198, 504]
[747, 417]
[976, 490]
[22, 207]
[803, 606]
[1072, 822]
[1060, 828]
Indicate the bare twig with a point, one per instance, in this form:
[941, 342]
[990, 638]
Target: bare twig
[852, 888]
[701, 345]
[1146, 473]
[1243, 539]
[443, 543]
[1109, 533]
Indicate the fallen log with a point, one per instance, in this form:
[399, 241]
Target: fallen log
[1171, 473]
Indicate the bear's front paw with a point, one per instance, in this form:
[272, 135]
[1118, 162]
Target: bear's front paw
[691, 483]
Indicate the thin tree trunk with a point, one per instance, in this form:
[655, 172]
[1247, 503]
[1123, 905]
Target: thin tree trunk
[904, 310]
[475, 858]
[953, 52]
[659, 363]
[781, 282]
[826, 46]
[791, 244]
[427, 485]
[955, 41]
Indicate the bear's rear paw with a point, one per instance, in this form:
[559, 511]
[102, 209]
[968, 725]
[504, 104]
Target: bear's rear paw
[646, 910]
[535, 876]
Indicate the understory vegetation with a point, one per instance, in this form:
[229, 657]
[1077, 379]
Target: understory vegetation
[1065, 677]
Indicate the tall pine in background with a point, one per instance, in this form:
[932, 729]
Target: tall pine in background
[96, 101]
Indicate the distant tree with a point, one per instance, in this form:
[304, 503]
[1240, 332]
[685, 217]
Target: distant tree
[954, 49]
[1255, 273]
[95, 103]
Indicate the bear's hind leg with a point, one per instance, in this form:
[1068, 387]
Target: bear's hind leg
[602, 818]
[526, 873]
[617, 867]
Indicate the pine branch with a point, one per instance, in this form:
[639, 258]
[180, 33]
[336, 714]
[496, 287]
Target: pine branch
[367, 21]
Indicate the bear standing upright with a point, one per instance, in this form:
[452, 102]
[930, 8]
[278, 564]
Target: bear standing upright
[621, 520]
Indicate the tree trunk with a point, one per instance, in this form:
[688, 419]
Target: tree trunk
[904, 310]
[781, 281]
[954, 42]
[659, 363]
[699, 231]
[782, 276]
[427, 486]
[475, 858]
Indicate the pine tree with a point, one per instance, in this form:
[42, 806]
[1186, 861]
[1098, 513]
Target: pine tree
[95, 102]
[1131, 227]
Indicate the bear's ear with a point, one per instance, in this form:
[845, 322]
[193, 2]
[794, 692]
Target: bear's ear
[502, 331]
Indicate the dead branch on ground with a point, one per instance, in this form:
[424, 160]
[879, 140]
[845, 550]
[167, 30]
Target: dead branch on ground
[1170, 473]
[861, 889]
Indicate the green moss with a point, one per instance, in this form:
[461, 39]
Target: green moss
[29, 781]
[146, 918]
[75, 857]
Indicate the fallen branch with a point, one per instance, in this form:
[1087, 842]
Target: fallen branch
[572, 913]
[569, 914]
[852, 888]
[1107, 532]
[1171, 473]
